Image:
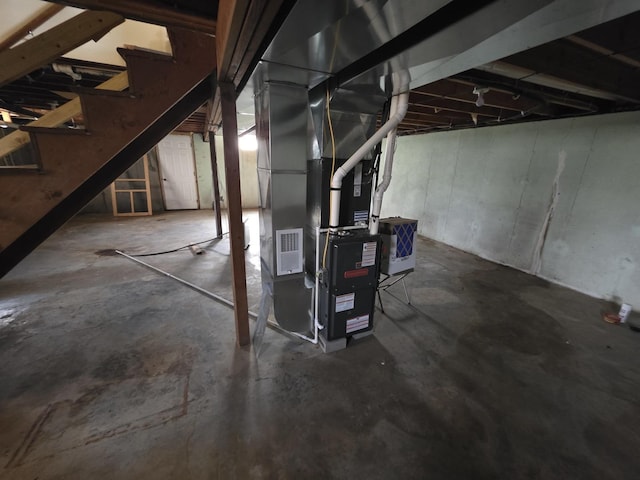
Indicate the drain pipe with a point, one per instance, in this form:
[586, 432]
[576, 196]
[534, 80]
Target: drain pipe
[314, 300]
[386, 179]
[401, 91]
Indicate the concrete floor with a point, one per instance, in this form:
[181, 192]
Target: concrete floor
[109, 370]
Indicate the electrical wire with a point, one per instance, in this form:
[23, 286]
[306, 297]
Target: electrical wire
[333, 167]
[184, 247]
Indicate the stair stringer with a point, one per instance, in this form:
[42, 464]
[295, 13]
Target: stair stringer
[36, 204]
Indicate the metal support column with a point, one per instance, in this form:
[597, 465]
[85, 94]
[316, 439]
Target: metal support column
[234, 207]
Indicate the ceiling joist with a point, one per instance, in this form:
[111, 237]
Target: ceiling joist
[581, 66]
[50, 45]
[57, 117]
[150, 11]
[31, 24]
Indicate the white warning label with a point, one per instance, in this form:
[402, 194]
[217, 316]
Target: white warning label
[369, 253]
[345, 302]
[357, 323]
[357, 180]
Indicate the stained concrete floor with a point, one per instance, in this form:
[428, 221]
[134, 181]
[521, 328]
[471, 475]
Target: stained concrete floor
[109, 370]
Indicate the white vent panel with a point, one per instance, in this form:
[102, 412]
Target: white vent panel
[289, 251]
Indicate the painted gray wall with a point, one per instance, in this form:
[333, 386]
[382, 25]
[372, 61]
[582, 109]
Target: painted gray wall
[495, 191]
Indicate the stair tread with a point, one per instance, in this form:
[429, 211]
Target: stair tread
[101, 92]
[143, 53]
[10, 168]
[56, 130]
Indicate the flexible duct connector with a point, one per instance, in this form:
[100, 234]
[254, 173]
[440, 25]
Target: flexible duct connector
[401, 96]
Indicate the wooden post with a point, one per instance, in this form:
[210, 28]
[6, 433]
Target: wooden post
[234, 209]
[216, 185]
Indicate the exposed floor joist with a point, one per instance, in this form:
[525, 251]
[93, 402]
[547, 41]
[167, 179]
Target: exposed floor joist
[23, 30]
[244, 29]
[50, 45]
[57, 117]
[153, 11]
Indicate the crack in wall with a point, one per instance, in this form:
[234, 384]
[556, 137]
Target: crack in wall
[536, 263]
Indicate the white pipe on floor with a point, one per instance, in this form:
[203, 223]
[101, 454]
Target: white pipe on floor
[401, 90]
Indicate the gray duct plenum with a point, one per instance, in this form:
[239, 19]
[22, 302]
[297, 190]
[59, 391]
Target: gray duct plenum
[281, 129]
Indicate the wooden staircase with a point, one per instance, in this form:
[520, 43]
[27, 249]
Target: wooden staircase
[74, 165]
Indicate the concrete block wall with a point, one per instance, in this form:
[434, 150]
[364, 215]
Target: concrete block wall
[559, 199]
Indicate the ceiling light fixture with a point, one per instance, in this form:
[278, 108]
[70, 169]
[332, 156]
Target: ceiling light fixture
[480, 91]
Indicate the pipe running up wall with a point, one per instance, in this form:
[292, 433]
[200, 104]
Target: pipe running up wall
[401, 82]
[386, 179]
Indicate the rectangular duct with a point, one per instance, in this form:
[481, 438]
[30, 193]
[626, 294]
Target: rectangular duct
[281, 129]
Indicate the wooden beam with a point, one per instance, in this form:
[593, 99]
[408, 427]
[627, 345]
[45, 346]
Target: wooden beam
[620, 36]
[231, 15]
[216, 186]
[428, 104]
[57, 117]
[581, 66]
[234, 209]
[150, 12]
[50, 45]
[214, 113]
[245, 28]
[31, 24]
[462, 91]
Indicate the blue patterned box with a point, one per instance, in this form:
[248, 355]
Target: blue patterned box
[398, 237]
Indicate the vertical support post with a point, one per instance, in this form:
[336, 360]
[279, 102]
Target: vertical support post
[147, 183]
[234, 208]
[216, 185]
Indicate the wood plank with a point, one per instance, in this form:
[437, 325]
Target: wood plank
[216, 186]
[263, 21]
[253, 19]
[462, 91]
[214, 114]
[146, 190]
[234, 208]
[52, 44]
[57, 117]
[31, 24]
[244, 31]
[149, 12]
[581, 66]
[231, 15]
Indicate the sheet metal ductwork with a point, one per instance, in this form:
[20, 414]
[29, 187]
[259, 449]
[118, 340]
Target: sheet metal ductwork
[295, 156]
[282, 110]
